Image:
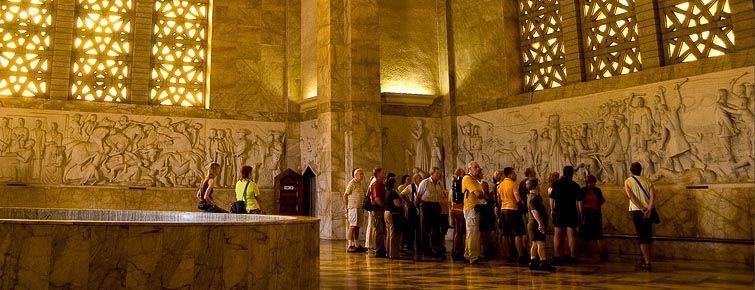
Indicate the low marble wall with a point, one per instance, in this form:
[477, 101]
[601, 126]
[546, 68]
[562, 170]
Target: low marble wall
[163, 199]
[119, 249]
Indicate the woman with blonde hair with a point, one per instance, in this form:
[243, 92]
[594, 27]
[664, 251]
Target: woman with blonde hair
[206, 190]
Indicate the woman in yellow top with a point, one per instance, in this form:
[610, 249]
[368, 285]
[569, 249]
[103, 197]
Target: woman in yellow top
[248, 191]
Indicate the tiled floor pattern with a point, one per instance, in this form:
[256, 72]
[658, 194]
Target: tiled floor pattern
[339, 270]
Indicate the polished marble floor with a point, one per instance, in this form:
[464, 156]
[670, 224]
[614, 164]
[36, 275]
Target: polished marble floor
[339, 270]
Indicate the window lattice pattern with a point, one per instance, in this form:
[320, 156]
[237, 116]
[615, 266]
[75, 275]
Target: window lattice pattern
[179, 52]
[610, 38]
[542, 46]
[695, 29]
[25, 27]
[101, 50]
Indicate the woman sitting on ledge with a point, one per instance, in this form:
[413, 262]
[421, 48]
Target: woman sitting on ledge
[248, 191]
[204, 194]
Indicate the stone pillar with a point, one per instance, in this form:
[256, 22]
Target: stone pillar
[648, 27]
[743, 22]
[348, 79]
[571, 29]
[60, 69]
[142, 53]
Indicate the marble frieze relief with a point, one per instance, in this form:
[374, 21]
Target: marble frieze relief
[691, 130]
[77, 148]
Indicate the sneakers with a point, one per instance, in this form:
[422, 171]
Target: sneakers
[360, 249]
[546, 266]
[535, 264]
[646, 266]
[351, 249]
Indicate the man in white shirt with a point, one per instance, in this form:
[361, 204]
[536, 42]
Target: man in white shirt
[429, 195]
[354, 197]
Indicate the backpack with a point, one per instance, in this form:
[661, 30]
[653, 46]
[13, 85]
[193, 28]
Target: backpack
[457, 196]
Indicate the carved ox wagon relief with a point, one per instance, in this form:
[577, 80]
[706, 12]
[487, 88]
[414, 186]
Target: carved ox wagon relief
[697, 130]
[55, 148]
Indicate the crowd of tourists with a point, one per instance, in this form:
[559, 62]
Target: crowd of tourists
[412, 214]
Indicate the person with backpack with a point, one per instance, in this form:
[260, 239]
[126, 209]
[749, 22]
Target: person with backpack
[353, 197]
[641, 194]
[457, 216]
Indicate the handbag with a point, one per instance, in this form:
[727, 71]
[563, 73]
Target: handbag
[654, 217]
[239, 206]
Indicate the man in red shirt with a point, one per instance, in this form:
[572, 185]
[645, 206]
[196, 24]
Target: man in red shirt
[377, 196]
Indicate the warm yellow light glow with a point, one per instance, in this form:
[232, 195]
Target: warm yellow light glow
[179, 68]
[25, 28]
[405, 87]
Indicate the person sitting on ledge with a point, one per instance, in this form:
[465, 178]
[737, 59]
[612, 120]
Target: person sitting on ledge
[206, 190]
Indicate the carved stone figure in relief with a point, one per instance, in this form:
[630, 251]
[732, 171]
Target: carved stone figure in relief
[724, 119]
[614, 154]
[533, 151]
[641, 116]
[212, 146]
[25, 157]
[276, 151]
[557, 158]
[221, 156]
[74, 128]
[240, 150]
[54, 156]
[675, 147]
[545, 147]
[421, 160]
[6, 136]
[38, 135]
[466, 143]
[640, 153]
[409, 157]
[20, 135]
[87, 129]
[437, 154]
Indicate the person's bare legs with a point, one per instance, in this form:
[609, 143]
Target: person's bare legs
[645, 249]
[572, 242]
[557, 238]
[519, 242]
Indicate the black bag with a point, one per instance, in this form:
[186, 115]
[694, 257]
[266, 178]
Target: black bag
[457, 197]
[204, 205]
[239, 206]
[367, 202]
[654, 217]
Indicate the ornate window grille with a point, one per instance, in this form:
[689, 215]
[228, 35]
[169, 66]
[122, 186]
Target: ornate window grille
[611, 45]
[101, 50]
[25, 37]
[696, 29]
[179, 52]
[541, 44]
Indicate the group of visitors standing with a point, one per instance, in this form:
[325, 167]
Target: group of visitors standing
[411, 215]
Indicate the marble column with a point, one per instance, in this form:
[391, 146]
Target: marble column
[348, 78]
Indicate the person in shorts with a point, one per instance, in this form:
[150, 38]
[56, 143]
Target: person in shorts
[641, 194]
[536, 225]
[508, 193]
[353, 196]
[563, 198]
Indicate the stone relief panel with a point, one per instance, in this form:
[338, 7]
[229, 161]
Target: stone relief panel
[693, 130]
[412, 143]
[71, 148]
[309, 145]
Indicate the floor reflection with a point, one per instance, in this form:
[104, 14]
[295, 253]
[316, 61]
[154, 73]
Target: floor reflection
[339, 270]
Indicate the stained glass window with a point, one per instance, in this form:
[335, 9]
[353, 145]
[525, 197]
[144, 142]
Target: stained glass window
[25, 37]
[611, 45]
[179, 52]
[102, 41]
[696, 29]
[541, 44]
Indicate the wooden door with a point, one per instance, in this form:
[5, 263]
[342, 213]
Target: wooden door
[289, 191]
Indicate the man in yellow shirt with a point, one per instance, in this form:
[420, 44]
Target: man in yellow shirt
[473, 195]
[511, 202]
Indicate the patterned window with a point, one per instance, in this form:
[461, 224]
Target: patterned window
[611, 45]
[179, 52]
[542, 45]
[25, 27]
[101, 50]
[695, 29]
